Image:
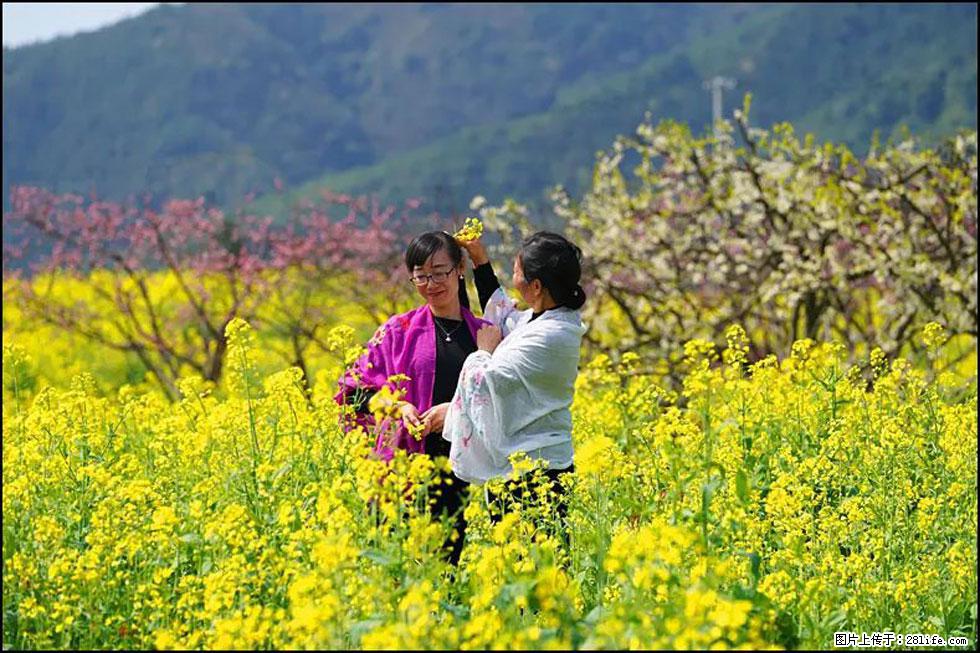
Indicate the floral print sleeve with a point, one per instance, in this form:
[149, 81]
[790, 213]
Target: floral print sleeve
[502, 311]
[470, 422]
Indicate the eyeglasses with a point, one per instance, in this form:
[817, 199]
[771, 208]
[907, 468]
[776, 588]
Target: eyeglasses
[435, 277]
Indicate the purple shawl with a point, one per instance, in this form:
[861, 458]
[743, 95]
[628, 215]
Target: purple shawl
[405, 344]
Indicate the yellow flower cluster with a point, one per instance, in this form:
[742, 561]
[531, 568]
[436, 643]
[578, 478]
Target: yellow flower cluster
[471, 230]
[933, 335]
[767, 505]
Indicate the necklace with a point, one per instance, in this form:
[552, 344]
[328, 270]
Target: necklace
[443, 329]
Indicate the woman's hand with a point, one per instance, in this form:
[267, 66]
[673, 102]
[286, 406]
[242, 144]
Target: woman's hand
[435, 418]
[476, 250]
[409, 414]
[488, 337]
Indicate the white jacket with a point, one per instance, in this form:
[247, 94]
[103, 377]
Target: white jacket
[517, 399]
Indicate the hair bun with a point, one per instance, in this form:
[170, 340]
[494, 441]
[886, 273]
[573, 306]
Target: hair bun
[577, 298]
[556, 262]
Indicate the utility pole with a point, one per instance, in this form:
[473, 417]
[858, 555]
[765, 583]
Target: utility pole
[715, 85]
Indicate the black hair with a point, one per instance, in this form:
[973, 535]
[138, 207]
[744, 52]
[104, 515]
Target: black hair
[427, 244]
[557, 263]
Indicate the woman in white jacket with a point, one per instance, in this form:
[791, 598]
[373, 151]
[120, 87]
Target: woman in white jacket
[515, 391]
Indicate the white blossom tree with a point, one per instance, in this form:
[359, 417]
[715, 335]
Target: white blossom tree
[791, 239]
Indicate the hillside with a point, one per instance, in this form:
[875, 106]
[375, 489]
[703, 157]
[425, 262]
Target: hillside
[920, 73]
[186, 99]
[445, 101]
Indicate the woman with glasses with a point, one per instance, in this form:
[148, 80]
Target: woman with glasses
[429, 345]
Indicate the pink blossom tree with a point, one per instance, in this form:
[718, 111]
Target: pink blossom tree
[164, 284]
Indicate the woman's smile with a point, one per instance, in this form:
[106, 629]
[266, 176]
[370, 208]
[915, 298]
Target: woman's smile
[436, 293]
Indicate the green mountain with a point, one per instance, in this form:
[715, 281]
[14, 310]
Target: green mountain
[841, 72]
[447, 101]
[224, 98]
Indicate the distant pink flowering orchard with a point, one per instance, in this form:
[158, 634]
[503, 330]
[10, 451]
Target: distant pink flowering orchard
[220, 266]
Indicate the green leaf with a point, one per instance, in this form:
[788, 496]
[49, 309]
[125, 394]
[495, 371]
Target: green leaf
[458, 611]
[383, 559]
[281, 471]
[594, 615]
[742, 486]
[361, 628]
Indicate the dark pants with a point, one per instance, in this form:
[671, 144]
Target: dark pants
[449, 501]
[520, 493]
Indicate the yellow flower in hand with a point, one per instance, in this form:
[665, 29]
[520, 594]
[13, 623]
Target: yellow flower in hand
[471, 230]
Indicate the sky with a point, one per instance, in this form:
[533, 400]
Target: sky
[29, 22]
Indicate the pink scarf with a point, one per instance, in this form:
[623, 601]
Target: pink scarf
[405, 344]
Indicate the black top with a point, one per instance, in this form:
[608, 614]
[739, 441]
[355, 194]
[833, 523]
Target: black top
[450, 356]
[486, 283]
